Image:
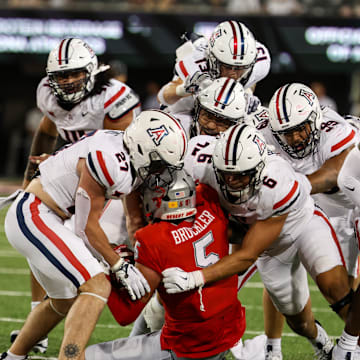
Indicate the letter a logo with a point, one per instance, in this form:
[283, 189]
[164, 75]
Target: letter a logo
[307, 95]
[158, 134]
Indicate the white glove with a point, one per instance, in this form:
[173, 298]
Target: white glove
[197, 82]
[177, 280]
[252, 103]
[154, 314]
[132, 279]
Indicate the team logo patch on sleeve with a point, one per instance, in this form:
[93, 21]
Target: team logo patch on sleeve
[307, 95]
[158, 134]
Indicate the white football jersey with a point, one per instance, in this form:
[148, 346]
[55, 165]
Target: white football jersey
[336, 135]
[282, 191]
[106, 160]
[116, 100]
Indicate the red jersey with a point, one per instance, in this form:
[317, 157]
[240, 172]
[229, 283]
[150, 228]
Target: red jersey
[201, 322]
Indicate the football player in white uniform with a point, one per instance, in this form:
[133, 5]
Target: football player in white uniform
[315, 141]
[231, 51]
[287, 234]
[76, 97]
[82, 176]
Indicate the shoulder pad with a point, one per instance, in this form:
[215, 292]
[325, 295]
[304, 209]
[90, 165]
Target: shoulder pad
[123, 105]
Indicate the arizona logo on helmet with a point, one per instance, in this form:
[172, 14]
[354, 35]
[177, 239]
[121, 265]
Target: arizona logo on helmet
[261, 144]
[158, 134]
[307, 95]
[215, 36]
[263, 115]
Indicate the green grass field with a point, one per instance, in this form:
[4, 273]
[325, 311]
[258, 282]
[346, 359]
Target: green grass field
[15, 305]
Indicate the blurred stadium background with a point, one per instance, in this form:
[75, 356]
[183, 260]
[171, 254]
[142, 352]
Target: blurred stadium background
[309, 40]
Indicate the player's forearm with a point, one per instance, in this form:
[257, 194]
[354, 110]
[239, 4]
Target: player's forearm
[323, 181]
[42, 143]
[228, 266]
[98, 240]
[172, 92]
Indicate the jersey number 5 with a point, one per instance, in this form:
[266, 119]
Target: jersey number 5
[201, 258]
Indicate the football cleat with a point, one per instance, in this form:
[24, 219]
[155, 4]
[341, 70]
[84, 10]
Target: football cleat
[4, 355]
[271, 355]
[340, 354]
[40, 347]
[323, 349]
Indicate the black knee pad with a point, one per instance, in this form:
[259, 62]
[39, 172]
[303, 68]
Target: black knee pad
[343, 302]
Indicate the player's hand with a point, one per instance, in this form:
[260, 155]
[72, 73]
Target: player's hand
[177, 280]
[38, 159]
[252, 103]
[197, 82]
[131, 278]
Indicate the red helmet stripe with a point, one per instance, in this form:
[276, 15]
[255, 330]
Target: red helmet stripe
[221, 92]
[60, 49]
[235, 39]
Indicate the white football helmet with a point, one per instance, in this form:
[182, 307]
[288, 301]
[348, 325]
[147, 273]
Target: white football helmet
[241, 152]
[176, 202]
[291, 107]
[70, 56]
[233, 45]
[225, 99]
[155, 141]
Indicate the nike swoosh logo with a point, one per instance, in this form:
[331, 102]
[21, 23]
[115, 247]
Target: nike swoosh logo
[84, 113]
[350, 188]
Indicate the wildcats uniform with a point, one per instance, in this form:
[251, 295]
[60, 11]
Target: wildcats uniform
[336, 135]
[116, 100]
[307, 239]
[60, 260]
[197, 324]
[197, 62]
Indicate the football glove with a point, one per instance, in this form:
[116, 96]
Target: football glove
[252, 103]
[131, 278]
[197, 82]
[177, 280]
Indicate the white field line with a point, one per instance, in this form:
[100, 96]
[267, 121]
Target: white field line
[8, 271]
[10, 254]
[112, 326]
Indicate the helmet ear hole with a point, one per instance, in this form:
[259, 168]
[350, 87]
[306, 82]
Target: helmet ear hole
[140, 150]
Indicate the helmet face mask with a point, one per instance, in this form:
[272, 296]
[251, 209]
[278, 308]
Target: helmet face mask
[176, 202]
[232, 50]
[71, 69]
[219, 106]
[239, 159]
[295, 119]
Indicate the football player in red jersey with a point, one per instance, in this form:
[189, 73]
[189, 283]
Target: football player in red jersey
[189, 229]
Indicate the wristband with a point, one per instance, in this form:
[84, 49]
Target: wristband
[180, 90]
[117, 265]
[199, 278]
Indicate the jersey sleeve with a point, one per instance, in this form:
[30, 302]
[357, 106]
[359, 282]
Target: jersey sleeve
[261, 67]
[349, 176]
[281, 191]
[147, 252]
[198, 159]
[190, 64]
[338, 135]
[105, 169]
[119, 100]
[43, 91]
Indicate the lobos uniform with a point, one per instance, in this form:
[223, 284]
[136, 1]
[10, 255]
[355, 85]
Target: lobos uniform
[336, 135]
[197, 324]
[39, 233]
[307, 240]
[197, 62]
[116, 100]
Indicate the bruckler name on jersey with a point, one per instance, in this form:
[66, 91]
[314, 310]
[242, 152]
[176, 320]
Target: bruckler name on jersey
[199, 225]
